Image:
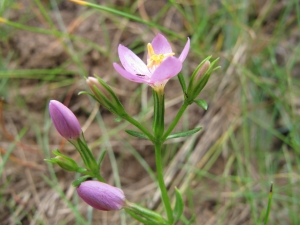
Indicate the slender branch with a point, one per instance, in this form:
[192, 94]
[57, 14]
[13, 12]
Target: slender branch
[175, 121]
[162, 186]
[139, 126]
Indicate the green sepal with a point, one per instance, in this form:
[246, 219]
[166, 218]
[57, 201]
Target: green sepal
[103, 94]
[85, 93]
[86, 155]
[78, 181]
[184, 133]
[202, 103]
[182, 82]
[144, 215]
[179, 205]
[136, 134]
[114, 103]
[84, 171]
[101, 157]
[197, 70]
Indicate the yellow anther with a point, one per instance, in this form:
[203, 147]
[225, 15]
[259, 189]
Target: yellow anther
[150, 50]
[154, 59]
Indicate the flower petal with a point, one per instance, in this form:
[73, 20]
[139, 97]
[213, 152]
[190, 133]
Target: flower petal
[185, 51]
[128, 75]
[161, 45]
[166, 70]
[131, 62]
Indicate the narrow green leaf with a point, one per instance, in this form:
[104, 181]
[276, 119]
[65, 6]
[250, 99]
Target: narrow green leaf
[145, 214]
[202, 103]
[139, 218]
[179, 205]
[35, 73]
[184, 133]
[269, 205]
[136, 134]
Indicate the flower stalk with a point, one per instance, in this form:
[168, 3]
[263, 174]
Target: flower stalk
[160, 177]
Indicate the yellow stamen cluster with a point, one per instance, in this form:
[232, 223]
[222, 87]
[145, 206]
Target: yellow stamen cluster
[154, 59]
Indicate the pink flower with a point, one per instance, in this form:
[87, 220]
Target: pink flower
[101, 196]
[64, 120]
[161, 64]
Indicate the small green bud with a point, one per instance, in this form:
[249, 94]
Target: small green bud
[105, 95]
[67, 163]
[98, 90]
[200, 78]
[63, 161]
[202, 71]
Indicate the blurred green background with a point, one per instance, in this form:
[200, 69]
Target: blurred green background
[250, 135]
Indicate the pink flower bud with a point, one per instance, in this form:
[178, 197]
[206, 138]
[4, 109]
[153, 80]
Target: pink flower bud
[64, 120]
[101, 196]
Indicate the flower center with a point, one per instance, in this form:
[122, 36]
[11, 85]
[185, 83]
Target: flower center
[155, 60]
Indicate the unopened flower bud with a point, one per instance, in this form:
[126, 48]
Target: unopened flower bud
[63, 161]
[93, 83]
[202, 70]
[101, 196]
[105, 95]
[199, 79]
[64, 120]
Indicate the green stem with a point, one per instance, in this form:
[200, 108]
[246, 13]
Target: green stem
[158, 125]
[162, 186]
[176, 119]
[139, 126]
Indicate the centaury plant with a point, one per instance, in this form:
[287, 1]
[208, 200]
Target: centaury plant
[162, 64]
